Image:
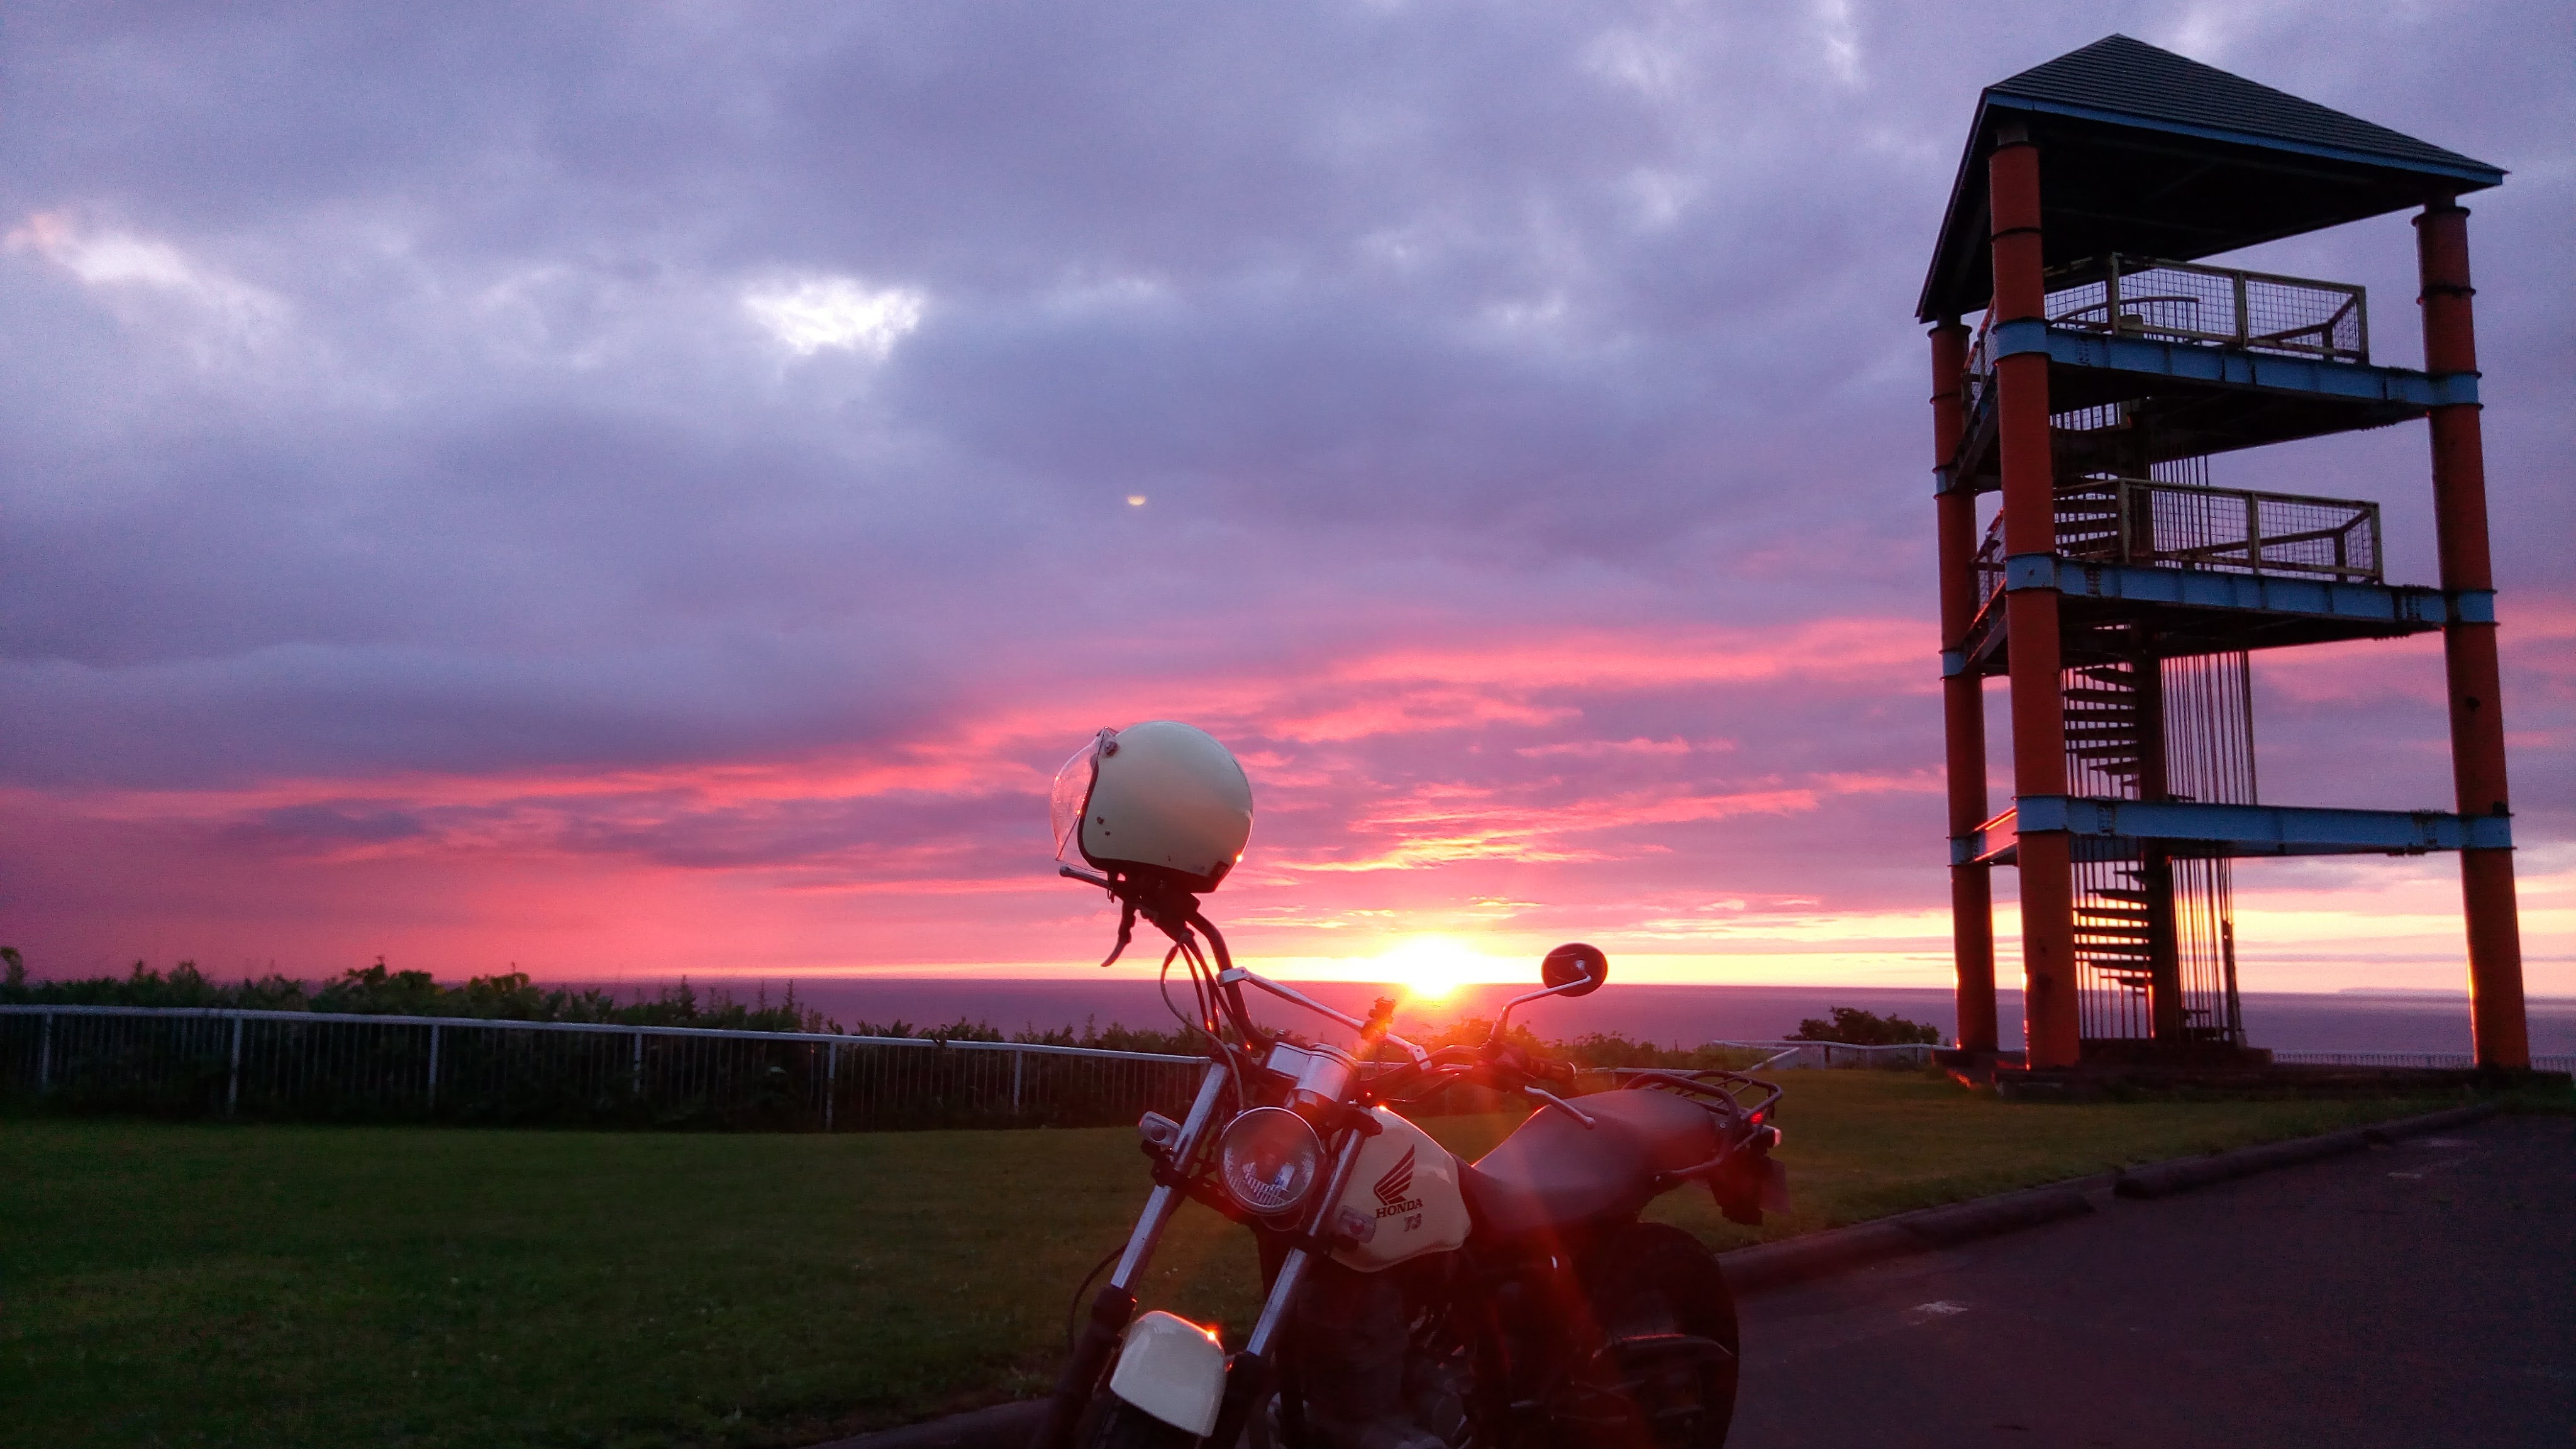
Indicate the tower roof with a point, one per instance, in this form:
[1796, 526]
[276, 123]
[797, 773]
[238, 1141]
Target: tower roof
[2151, 153]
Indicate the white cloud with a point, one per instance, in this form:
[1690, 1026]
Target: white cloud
[2207, 33]
[814, 313]
[1840, 38]
[1646, 64]
[1659, 194]
[213, 307]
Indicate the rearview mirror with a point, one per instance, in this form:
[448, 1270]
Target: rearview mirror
[1574, 969]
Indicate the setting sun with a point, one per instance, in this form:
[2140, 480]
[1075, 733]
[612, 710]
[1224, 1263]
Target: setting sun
[1430, 967]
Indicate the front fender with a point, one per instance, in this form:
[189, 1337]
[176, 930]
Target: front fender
[1172, 1369]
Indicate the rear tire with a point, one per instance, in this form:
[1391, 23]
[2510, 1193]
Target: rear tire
[1651, 1285]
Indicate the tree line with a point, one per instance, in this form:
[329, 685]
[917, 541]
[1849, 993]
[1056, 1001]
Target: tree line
[377, 990]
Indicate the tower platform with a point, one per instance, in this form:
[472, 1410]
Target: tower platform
[2205, 611]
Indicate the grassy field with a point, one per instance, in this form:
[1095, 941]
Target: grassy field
[215, 1285]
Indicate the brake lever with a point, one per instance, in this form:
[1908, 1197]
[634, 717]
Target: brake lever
[1550, 1099]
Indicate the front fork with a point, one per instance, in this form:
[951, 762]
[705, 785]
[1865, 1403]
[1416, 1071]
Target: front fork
[1249, 1374]
[1116, 1301]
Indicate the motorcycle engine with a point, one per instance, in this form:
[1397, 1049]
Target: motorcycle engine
[1376, 1367]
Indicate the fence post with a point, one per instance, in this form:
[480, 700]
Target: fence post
[232, 1078]
[635, 1072]
[433, 1067]
[45, 1056]
[1019, 1063]
[831, 1078]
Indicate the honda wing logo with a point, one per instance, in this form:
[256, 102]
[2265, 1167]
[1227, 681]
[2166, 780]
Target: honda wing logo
[1398, 1181]
[1395, 1189]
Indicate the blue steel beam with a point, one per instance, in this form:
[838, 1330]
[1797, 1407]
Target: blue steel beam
[2105, 828]
[2366, 610]
[2269, 593]
[2229, 367]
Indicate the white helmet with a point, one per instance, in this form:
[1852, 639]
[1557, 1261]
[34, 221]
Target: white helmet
[1159, 799]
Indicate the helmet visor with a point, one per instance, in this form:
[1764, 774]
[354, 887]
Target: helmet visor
[1072, 795]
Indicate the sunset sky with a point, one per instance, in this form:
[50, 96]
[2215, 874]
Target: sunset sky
[638, 489]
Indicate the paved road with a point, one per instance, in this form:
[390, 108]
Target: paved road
[2415, 1295]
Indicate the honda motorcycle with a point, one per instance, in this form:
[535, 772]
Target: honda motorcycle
[1412, 1300]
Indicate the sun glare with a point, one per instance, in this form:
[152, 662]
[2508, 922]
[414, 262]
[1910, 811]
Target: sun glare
[1431, 967]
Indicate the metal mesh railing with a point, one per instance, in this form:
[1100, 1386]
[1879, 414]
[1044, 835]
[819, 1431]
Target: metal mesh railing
[1990, 562]
[2172, 525]
[2123, 296]
[2146, 924]
[2209, 727]
[2187, 526]
[310, 1065]
[2213, 306]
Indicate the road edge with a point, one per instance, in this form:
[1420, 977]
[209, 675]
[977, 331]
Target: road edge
[1814, 1255]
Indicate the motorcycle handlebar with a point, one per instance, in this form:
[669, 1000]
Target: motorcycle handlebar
[1511, 1061]
[1501, 1067]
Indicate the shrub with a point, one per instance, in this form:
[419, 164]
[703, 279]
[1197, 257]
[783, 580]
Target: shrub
[1855, 1027]
[378, 990]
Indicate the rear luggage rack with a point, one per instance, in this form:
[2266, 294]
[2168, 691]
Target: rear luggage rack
[1741, 1177]
[1738, 1100]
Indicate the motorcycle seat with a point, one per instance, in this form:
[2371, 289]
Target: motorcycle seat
[1554, 1173]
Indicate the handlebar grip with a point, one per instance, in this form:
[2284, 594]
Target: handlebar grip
[1550, 1069]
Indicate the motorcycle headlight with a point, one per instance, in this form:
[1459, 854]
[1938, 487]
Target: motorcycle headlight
[1269, 1160]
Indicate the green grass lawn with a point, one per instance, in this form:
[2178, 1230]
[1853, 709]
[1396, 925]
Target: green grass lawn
[276, 1285]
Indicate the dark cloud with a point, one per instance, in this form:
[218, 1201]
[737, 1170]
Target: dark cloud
[314, 828]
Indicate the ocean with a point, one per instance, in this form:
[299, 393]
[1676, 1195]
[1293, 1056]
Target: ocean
[1686, 1015]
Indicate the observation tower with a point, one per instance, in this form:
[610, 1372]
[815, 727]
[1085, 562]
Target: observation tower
[2120, 587]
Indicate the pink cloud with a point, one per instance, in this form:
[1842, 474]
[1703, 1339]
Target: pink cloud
[1595, 749]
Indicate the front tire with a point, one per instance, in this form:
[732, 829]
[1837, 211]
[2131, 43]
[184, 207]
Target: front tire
[1659, 1366]
[1113, 1423]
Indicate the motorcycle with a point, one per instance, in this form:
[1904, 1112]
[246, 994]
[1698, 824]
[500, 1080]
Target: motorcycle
[1414, 1300]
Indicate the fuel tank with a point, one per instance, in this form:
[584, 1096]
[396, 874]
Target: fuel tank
[1403, 1199]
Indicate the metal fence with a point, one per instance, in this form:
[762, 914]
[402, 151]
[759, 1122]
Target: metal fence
[1784, 1055]
[2459, 1061]
[330, 1066]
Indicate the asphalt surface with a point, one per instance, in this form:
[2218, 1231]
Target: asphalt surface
[2416, 1294]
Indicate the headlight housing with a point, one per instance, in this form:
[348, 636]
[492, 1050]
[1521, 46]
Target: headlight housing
[1270, 1161]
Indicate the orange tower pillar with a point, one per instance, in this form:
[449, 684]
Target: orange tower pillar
[2052, 1027]
[1972, 920]
[2469, 648]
